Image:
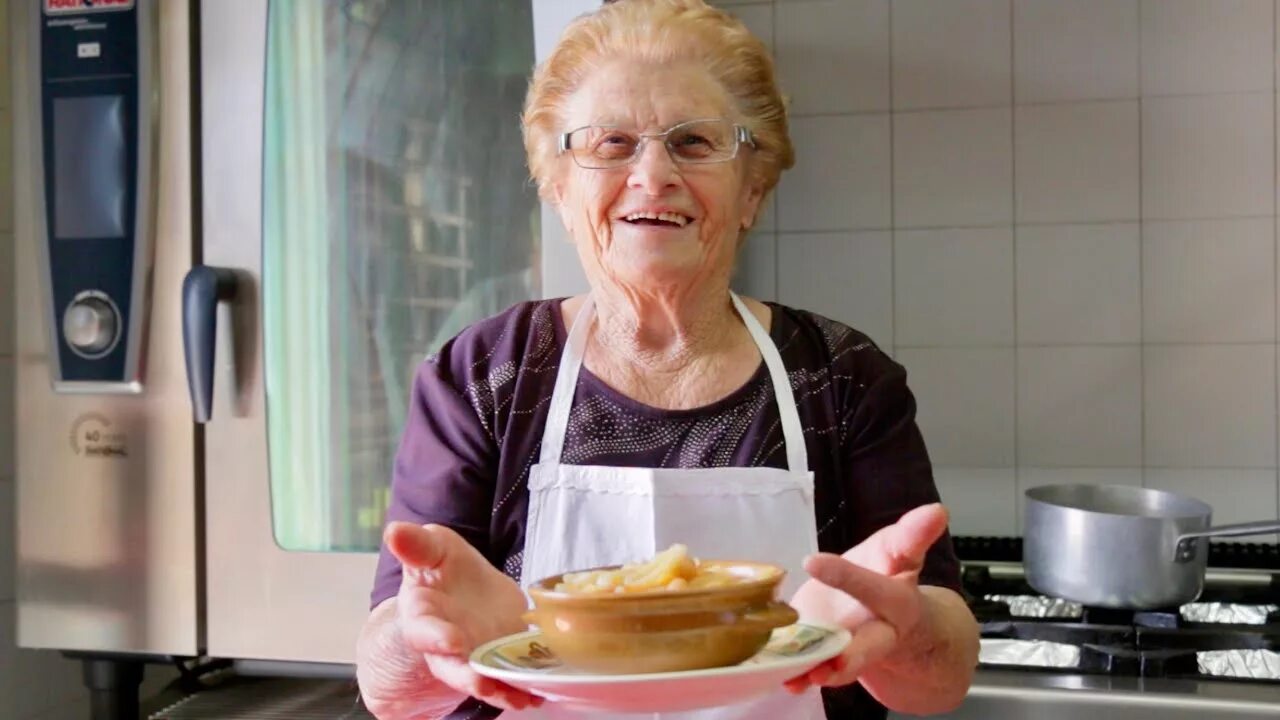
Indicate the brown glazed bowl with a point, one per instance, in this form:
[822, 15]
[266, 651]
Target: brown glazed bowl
[662, 630]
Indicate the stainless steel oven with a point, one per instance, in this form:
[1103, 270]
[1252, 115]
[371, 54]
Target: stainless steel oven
[318, 192]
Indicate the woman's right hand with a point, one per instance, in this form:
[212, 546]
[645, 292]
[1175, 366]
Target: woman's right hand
[451, 601]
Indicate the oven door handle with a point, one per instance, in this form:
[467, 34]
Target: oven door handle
[204, 287]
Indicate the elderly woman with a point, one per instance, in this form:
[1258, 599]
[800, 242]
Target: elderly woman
[661, 407]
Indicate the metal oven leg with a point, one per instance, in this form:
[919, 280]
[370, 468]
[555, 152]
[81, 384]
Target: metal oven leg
[113, 682]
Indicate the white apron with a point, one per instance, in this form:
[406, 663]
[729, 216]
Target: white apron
[586, 516]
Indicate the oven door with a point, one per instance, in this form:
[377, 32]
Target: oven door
[364, 183]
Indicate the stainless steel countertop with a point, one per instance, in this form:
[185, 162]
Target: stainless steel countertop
[1008, 695]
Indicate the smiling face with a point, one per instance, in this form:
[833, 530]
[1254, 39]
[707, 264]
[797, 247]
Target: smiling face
[654, 225]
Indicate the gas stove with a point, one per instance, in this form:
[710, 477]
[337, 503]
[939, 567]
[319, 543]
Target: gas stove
[1048, 658]
[1232, 632]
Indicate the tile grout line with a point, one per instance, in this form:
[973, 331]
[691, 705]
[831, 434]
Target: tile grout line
[1142, 291]
[777, 215]
[1038, 104]
[1013, 217]
[1001, 226]
[893, 225]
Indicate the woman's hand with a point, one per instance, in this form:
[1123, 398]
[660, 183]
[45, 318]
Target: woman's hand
[905, 638]
[451, 601]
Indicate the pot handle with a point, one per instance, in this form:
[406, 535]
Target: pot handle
[1186, 548]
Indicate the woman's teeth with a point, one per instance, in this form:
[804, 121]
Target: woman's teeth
[650, 218]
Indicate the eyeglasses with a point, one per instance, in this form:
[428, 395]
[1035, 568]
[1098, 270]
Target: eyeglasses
[695, 142]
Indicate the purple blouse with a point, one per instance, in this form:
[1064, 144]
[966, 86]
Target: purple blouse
[478, 409]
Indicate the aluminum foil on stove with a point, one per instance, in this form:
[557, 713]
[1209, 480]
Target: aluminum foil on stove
[1038, 607]
[1033, 653]
[1255, 664]
[1227, 613]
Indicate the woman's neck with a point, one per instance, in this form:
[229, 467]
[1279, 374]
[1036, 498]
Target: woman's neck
[665, 333]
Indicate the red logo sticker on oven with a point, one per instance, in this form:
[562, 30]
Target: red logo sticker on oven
[77, 7]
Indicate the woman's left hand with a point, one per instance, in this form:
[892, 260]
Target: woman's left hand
[873, 591]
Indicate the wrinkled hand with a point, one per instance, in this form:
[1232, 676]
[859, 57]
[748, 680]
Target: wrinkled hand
[452, 600]
[873, 591]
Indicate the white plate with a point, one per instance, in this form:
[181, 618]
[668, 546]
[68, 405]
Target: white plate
[524, 662]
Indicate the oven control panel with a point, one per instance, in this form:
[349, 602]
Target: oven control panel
[96, 127]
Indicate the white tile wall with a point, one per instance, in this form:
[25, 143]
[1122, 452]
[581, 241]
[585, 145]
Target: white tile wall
[48, 687]
[1208, 156]
[1075, 284]
[841, 180]
[951, 54]
[966, 403]
[1082, 200]
[8, 640]
[1209, 281]
[845, 275]
[759, 20]
[7, 592]
[757, 272]
[37, 685]
[1077, 162]
[767, 221]
[7, 417]
[852, 35]
[952, 168]
[7, 328]
[1075, 50]
[1236, 495]
[1080, 405]
[953, 287]
[5, 80]
[1192, 46]
[1210, 406]
[6, 162]
[981, 500]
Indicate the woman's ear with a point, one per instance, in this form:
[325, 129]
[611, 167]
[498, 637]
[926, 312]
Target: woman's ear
[751, 206]
[553, 193]
[555, 197]
[566, 219]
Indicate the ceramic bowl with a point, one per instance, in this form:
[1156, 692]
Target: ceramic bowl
[663, 630]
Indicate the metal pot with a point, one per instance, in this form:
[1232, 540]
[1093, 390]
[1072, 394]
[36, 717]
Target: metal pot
[1120, 546]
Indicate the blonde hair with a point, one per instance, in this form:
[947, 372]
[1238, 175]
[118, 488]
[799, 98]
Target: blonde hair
[660, 31]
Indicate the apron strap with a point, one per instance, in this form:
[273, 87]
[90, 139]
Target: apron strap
[792, 430]
[566, 381]
[571, 364]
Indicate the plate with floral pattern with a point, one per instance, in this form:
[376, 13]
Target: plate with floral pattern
[524, 661]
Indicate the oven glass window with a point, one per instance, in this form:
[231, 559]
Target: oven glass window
[397, 210]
